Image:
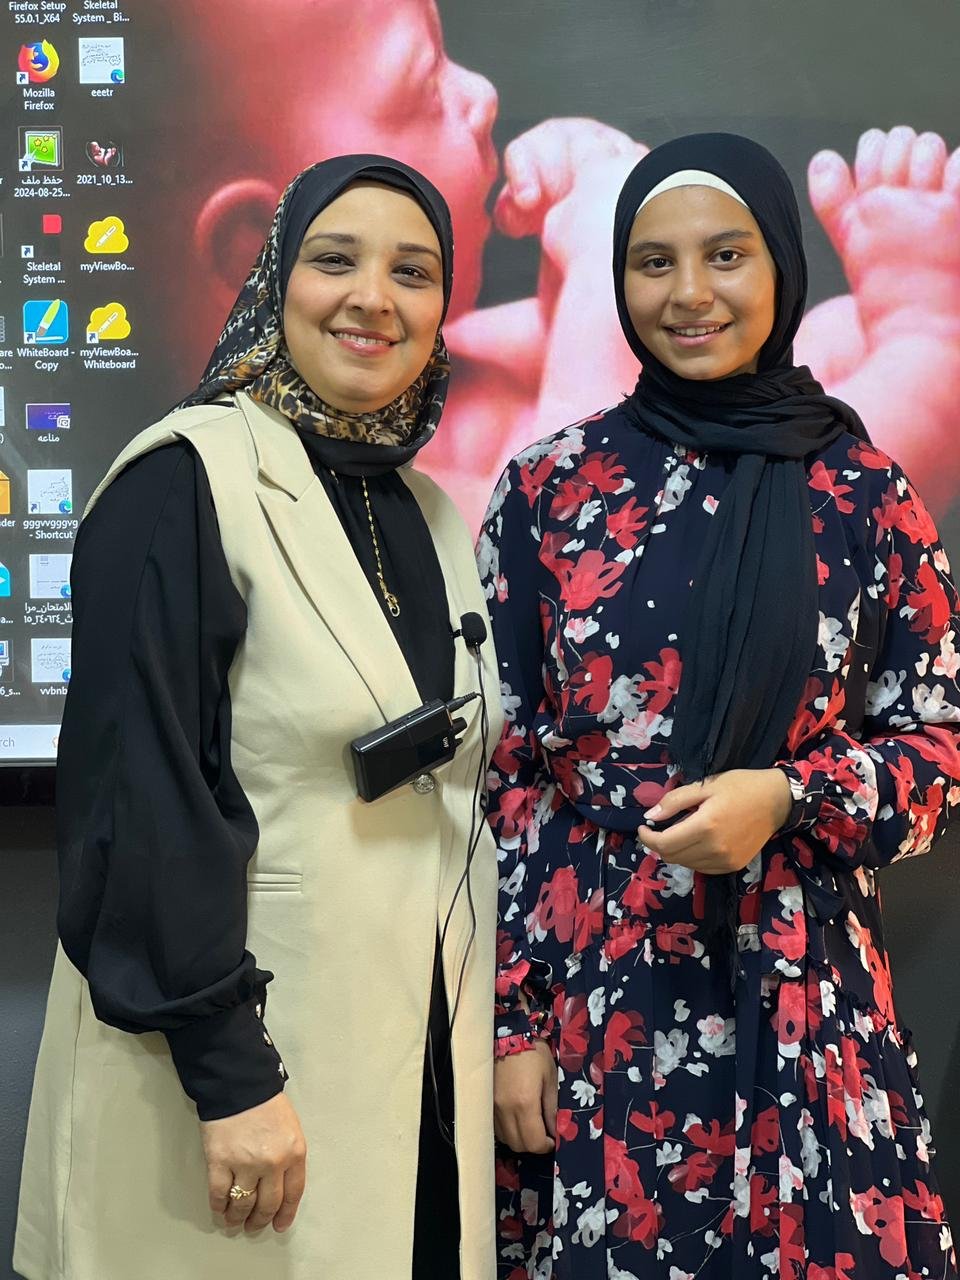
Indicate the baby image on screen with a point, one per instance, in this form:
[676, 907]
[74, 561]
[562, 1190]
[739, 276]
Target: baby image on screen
[386, 84]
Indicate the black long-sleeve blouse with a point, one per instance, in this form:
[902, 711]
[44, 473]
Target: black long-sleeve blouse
[154, 829]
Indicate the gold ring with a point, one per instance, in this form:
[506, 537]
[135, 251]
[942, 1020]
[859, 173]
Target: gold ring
[238, 1193]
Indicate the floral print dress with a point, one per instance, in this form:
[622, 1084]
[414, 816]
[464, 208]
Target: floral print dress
[759, 1119]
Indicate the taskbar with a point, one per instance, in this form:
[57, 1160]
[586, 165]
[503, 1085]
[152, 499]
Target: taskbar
[28, 743]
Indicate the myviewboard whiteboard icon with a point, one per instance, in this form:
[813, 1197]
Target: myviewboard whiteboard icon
[5, 582]
[107, 235]
[108, 323]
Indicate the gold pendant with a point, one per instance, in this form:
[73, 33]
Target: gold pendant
[393, 603]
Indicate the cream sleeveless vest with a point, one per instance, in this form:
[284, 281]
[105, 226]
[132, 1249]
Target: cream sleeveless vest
[344, 903]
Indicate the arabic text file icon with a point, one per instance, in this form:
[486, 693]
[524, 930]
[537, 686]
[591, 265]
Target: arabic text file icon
[4, 494]
[46, 322]
[107, 235]
[108, 323]
[5, 583]
[41, 148]
[101, 60]
[48, 417]
[50, 576]
[49, 491]
[49, 659]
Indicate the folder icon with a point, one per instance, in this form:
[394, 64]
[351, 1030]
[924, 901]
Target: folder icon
[4, 495]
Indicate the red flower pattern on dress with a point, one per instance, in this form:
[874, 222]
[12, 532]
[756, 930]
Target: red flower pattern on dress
[695, 1116]
[826, 482]
[603, 471]
[590, 578]
[930, 605]
[591, 682]
[626, 524]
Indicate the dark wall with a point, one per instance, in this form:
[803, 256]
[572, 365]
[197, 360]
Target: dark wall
[27, 940]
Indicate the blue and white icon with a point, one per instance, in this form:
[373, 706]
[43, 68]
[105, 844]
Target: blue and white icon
[46, 322]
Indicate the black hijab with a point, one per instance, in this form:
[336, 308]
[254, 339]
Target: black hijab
[251, 353]
[751, 629]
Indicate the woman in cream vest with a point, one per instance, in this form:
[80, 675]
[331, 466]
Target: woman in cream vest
[256, 585]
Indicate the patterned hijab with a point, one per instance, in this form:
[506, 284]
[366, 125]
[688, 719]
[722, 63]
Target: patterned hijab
[251, 354]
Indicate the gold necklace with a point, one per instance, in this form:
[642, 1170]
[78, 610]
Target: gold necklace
[391, 599]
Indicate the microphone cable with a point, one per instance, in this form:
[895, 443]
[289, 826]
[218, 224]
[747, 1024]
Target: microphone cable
[478, 808]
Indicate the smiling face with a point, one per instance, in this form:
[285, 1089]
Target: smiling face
[364, 298]
[700, 284]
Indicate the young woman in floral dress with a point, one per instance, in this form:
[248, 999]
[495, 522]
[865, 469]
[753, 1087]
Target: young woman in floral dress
[727, 631]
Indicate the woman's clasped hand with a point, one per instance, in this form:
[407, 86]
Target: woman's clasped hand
[721, 823]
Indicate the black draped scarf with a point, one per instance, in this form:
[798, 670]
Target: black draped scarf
[750, 632]
[751, 629]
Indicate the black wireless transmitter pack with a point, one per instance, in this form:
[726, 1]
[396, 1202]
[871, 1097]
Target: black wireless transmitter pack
[403, 749]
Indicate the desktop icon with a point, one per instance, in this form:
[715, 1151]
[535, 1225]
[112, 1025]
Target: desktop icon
[107, 235]
[51, 224]
[49, 659]
[5, 583]
[38, 62]
[4, 494]
[105, 155]
[48, 417]
[101, 59]
[50, 576]
[50, 492]
[46, 321]
[108, 323]
[40, 148]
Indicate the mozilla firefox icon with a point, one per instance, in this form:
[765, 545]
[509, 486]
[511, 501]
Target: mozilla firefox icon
[38, 63]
